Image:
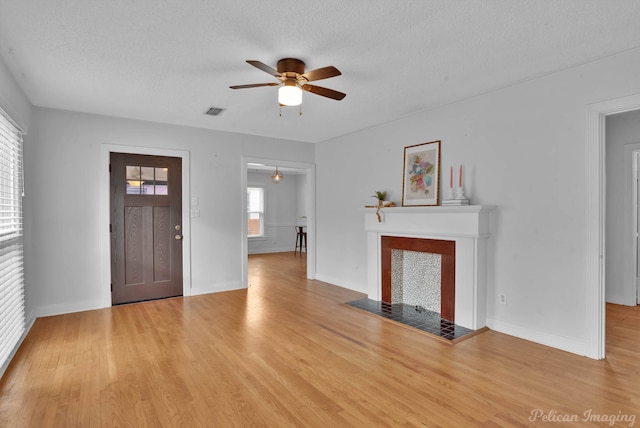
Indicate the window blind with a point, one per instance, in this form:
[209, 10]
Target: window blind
[255, 212]
[12, 316]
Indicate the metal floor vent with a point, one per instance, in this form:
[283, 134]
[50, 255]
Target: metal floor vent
[214, 111]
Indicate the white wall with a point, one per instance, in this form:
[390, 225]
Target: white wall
[64, 176]
[282, 212]
[301, 213]
[13, 100]
[621, 129]
[524, 150]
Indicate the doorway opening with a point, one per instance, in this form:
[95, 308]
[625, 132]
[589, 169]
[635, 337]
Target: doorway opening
[622, 215]
[596, 218]
[105, 203]
[276, 209]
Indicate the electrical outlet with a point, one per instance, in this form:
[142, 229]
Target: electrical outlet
[502, 298]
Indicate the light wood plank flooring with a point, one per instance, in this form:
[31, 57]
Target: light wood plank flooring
[286, 353]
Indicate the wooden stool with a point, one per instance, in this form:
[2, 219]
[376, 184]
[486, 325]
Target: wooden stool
[301, 239]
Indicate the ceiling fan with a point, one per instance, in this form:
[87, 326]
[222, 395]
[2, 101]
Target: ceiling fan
[294, 80]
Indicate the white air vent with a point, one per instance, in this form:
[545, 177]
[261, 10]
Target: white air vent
[214, 111]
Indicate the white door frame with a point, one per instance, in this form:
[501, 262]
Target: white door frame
[630, 226]
[310, 190]
[636, 217]
[596, 204]
[105, 151]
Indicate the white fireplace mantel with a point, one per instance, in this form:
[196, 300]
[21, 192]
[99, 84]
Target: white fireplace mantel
[467, 226]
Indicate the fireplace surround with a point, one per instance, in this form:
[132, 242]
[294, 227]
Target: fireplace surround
[446, 249]
[465, 227]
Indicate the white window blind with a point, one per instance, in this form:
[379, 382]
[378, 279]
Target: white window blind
[255, 212]
[12, 317]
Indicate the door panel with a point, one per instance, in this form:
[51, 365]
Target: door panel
[162, 236]
[146, 224]
[133, 245]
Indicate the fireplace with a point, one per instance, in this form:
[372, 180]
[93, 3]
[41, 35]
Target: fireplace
[393, 250]
[459, 234]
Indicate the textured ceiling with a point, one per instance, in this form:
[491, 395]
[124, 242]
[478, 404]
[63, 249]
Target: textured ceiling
[170, 60]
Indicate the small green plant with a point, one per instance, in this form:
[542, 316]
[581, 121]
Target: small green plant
[381, 196]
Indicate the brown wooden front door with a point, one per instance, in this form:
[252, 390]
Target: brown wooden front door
[146, 227]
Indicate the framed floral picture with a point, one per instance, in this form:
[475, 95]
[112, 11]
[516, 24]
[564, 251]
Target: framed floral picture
[421, 175]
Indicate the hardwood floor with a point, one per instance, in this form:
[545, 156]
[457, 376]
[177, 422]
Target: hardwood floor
[286, 353]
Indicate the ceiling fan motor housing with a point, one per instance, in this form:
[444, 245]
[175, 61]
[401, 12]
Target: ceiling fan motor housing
[290, 67]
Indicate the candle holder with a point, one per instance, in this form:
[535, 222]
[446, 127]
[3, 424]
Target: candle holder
[452, 193]
[456, 197]
[456, 194]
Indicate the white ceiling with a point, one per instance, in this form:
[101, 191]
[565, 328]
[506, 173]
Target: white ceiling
[170, 60]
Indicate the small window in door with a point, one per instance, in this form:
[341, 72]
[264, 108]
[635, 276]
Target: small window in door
[147, 180]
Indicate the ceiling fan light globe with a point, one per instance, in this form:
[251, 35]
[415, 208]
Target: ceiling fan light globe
[290, 95]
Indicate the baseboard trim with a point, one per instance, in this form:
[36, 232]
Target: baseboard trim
[543, 338]
[270, 250]
[90, 305]
[51, 310]
[618, 299]
[340, 283]
[217, 287]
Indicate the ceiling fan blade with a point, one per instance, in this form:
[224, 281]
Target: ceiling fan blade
[321, 73]
[325, 92]
[264, 67]
[254, 85]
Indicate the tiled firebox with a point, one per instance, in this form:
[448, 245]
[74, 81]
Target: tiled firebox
[416, 278]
